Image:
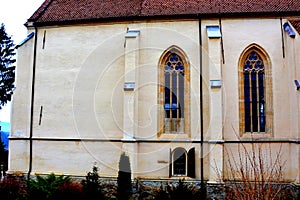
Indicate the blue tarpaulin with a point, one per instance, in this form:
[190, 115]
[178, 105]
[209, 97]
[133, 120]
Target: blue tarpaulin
[4, 139]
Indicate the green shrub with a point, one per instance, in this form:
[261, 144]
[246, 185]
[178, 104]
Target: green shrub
[124, 178]
[45, 187]
[91, 186]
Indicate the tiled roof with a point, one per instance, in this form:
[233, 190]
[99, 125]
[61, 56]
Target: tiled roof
[295, 23]
[57, 11]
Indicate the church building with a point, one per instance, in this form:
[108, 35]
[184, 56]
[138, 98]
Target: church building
[181, 86]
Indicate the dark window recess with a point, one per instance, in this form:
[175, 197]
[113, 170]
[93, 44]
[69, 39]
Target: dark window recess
[179, 162]
[182, 163]
[191, 163]
[170, 164]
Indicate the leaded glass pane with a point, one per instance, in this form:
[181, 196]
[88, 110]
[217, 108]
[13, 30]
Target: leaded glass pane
[254, 101]
[181, 97]
[247, 102]
[261, 101]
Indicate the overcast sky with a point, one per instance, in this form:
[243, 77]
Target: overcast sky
[14, 13]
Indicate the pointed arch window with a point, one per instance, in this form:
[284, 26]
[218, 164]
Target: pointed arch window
[173, 92]
[255, 92]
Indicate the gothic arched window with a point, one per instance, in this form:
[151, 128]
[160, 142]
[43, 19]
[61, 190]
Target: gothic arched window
[255, 92]
[173, 92]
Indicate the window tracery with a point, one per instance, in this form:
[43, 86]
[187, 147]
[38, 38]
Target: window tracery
[255, 91]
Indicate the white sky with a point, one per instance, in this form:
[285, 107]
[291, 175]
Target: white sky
[14, 13]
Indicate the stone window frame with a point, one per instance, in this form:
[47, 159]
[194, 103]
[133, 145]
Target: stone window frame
[161, 79]
[268, 91]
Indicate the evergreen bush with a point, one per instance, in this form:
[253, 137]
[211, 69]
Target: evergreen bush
[91, 185]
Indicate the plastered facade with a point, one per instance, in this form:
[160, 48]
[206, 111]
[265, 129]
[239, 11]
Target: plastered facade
[82, 115]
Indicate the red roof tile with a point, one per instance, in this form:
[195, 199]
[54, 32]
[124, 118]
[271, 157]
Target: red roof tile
[56, 11]
[295, 23]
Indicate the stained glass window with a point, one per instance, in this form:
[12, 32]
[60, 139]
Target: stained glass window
[254, 94]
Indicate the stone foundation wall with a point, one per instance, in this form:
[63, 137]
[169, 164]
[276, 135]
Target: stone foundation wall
[148, 189]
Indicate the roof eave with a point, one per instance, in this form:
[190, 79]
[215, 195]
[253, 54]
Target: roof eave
[40, 23]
